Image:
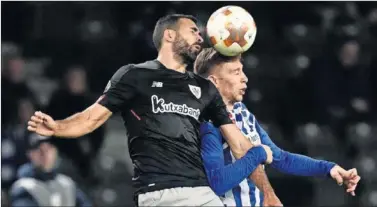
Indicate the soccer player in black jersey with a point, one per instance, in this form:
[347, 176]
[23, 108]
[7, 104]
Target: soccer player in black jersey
[162, 105]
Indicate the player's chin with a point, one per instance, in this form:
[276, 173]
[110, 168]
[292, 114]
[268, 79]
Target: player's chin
[191, 57]
[195, 49]
[239, 97]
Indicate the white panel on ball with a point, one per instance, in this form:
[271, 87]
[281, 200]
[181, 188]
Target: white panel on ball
[231, 30]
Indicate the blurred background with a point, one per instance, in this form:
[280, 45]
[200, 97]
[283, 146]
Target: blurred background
[312, 83]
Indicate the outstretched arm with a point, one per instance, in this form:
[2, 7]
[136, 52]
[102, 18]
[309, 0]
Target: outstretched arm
[240, 145]
[119, 92]
[297, 164]
[292, 163]
[221, 177]
[84, 122]
[74, 126]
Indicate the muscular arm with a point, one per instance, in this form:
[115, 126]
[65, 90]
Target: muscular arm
[239, 146]
[221, 177]
[83, 122]
[120, 90]
[235, 139]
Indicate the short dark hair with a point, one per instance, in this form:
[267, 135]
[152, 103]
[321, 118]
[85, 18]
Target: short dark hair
[167, 22]
[208, 58]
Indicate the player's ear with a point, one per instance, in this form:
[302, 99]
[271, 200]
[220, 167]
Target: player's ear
[214, 80]
[169, 35]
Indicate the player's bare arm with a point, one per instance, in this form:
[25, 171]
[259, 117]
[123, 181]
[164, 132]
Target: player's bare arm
[260, 179]
[74, 126]
[239, 146]
[228, 72]
[118, 91]
[236, 140]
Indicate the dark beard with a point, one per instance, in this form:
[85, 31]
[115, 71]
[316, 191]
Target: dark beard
[183, 50]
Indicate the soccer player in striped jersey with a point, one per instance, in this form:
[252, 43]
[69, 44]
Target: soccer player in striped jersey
[228, 176]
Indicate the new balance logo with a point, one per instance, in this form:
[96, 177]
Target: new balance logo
[159, 106]
[156, 84]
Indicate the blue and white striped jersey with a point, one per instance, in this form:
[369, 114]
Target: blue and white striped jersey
[228, 177]
[246, 193]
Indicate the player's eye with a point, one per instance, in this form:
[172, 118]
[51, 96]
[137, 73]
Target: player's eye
[194, 30]
[236, 72]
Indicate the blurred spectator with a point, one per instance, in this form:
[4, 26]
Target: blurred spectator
[339, 87]
[13, 88]
[334, 90]
[26, 108]
[4, 199]
[373, 81]
[14, 137]
[74, 96]
[38, 182]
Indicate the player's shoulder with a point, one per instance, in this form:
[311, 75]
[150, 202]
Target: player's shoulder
[240, 106]
[204, 83]
[210, 134]
[198, 78]
[122, 71]
[208, 127]
[149, 65]
[132, 70]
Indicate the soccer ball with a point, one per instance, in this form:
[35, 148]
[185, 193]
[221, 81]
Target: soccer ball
[231, 30]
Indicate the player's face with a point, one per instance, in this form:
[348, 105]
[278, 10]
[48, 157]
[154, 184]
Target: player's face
[231, 81]
[188, 41]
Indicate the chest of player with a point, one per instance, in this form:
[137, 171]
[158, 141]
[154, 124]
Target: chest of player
[252, 135]
[165, 94]
[247, 127]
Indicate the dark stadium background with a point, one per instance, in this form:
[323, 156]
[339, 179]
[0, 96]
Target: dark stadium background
[299, 86]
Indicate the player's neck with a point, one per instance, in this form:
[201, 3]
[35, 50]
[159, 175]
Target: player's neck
[229, 104]
[170, 61]
[229, 107]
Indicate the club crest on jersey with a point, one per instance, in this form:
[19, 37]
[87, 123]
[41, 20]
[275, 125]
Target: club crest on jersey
[196, 91]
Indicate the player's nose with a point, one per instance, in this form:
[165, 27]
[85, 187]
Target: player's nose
[200, 39]
[244, 78]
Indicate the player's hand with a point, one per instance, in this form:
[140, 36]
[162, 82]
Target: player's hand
[352, 181]
[349, 178]
[271, 199]
[268, 151]
[42, 124]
